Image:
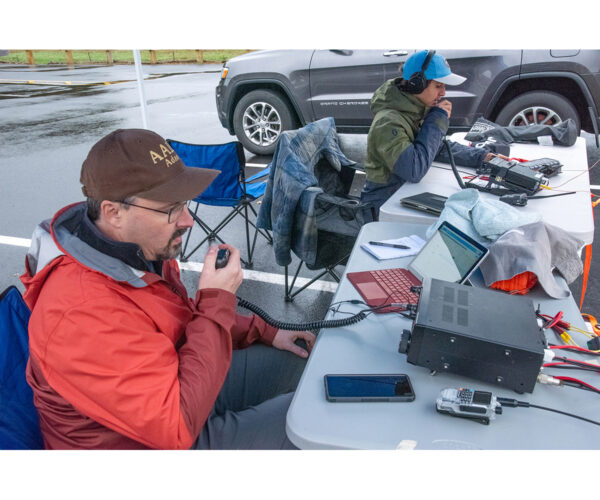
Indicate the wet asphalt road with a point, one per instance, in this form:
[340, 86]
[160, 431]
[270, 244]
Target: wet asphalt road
[47, 128]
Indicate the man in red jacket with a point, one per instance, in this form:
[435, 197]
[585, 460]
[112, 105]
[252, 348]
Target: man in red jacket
[120, 356]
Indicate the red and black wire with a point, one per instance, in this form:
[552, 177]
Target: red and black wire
[562, 362]
[561, 327]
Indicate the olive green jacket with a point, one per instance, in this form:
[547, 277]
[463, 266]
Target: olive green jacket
[404, 139]
[398, 119]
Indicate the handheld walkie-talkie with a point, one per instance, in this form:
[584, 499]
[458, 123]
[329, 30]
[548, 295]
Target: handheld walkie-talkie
[468, 403]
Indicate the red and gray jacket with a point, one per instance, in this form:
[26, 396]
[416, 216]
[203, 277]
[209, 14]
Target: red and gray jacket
[119, 357]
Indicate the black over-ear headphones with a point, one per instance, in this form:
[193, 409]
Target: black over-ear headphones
[417, 82]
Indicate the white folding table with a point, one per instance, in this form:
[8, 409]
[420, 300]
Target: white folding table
[573, 212]
[371, 346]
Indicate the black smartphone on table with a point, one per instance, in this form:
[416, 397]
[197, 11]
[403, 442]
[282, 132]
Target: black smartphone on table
[368, 388]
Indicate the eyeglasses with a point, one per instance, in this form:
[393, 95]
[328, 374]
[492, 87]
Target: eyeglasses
[174, 213]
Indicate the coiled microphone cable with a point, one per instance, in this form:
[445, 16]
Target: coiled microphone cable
[314, 325]
[453, 165]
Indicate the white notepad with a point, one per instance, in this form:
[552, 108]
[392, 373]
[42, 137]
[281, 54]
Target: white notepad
[414, 242]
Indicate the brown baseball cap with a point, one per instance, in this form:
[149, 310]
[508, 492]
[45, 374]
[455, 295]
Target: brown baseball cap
[139, 162]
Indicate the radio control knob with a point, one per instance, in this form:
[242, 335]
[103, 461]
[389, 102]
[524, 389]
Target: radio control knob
[404, 341]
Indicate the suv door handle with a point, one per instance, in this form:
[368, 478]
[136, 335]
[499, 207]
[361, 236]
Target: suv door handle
[395, 53]
[342, 52]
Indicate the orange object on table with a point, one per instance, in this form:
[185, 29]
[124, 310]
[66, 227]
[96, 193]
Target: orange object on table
[519, 284]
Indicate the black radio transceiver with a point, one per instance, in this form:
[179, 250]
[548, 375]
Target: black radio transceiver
[477, 333]
[515, 177]
[545, 166]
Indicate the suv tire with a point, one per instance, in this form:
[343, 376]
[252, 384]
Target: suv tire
[258, 120]
[549, 105]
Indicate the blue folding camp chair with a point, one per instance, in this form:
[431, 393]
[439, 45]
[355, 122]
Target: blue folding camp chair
[19, 421]
[229, 189]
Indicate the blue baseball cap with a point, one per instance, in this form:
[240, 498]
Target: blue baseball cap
[438, 69]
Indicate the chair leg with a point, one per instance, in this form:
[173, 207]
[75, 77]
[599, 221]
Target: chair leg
[213, 233]
[288, 288]
[289, 296]
[250, 251]
[265, 234]
[333, 274]
[210, 235]
[331, 268]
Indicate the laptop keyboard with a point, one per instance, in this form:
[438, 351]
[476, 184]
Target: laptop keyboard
[397, 282]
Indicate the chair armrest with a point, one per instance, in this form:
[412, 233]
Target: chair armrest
[258, 175]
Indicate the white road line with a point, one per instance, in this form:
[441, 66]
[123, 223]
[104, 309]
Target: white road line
[274, 279]
[596, 187]
[358, 172]
[18, 242]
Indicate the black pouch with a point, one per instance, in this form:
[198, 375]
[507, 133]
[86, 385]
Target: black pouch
[563, 134]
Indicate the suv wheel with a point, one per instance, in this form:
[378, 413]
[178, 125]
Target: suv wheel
[538, 108]
[258, 120]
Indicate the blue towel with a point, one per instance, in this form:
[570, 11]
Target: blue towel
[485, 220]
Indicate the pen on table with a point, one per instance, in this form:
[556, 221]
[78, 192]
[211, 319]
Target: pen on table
[391, 245]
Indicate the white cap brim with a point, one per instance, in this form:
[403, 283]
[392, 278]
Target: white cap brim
[451, 79]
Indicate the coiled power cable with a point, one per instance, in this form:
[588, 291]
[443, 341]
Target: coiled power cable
[313, 325]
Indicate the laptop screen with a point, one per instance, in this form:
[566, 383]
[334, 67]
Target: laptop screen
[449, 255]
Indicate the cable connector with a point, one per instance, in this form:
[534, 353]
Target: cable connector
[512, 403]
[411, 309]
[542, 378]
[517, 200]
[404, 305]
[549, 355]
[594, 344]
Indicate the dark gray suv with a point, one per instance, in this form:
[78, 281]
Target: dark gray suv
[263, 93]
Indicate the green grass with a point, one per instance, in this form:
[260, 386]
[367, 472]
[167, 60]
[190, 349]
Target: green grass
[42, 57]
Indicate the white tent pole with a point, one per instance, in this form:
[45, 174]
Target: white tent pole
[140, 81]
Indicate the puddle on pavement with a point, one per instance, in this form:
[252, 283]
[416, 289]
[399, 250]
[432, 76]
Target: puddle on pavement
[58, 88]
[154, 76]
[57, 134]
[54, 90]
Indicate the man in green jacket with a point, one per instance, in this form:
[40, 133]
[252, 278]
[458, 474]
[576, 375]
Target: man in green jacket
[411, 121]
